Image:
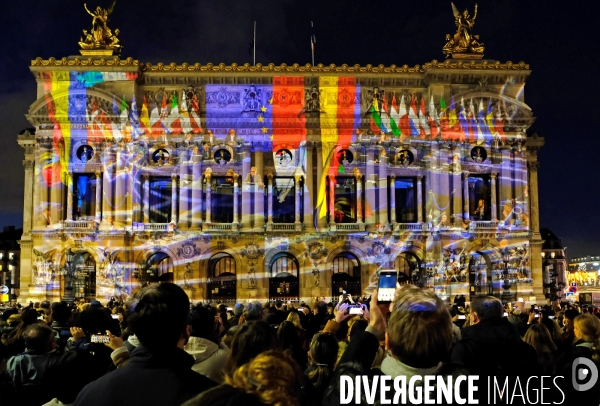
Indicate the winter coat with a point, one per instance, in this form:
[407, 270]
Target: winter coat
[150, 378]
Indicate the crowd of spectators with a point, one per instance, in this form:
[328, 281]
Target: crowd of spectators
[156, 348]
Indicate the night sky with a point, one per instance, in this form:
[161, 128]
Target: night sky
[557, 40]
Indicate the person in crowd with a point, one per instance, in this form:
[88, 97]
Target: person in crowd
[238, 310]
[276, 315]
[7, 388]
[322, 357]
[586, 328]
[62, 320]
[209, 354]
[290, 341]
[567, 338]
[271, 378]
[27, 369]
[492, 346]
[539, 338]
[14, 340]
[251, 339]
[252, 312]
[160, 322]
[418, 338]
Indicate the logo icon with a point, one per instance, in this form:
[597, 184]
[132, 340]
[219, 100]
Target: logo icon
[584, 374]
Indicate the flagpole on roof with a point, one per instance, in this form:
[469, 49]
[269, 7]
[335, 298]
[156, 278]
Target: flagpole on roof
[254, 42]
[312, 43]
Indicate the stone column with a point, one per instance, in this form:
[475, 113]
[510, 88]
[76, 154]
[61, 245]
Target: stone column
[297, 179]
[70, 197]
[371, 187]
[29, 196]
[457, 198]
[394, 213]
[236, 191]
[184, 199]
[247, 189]
[466, 194]
[382, 208]
[259, 190]
[321, 189]
[98, 213]
[270, 200]
[174, 199]
[146, 192]
[494, 203]
[331, 193]
[420, 199]
[309, 193]
[39, 201]
[208, 199]
[196, 196]
[56, 196]
[120, 197]
[359, 199]
[107, 186]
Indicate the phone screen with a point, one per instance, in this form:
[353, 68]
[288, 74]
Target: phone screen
[355, 310]
[537, 315]
[114, 316]
[505, 314]
[387, 286]
[462, 317]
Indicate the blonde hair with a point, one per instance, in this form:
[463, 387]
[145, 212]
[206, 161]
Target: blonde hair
[420, 328]
[589, 326]
[295, 319]
[271, 377]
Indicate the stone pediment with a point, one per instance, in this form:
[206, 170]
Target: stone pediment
[73, 105]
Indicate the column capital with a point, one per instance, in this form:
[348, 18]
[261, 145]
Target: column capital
[98, 174]
[297, 178]
[174, 178]
[533, 165]
[419, 178]
[28, 164]
[466, 175]
[493, 175]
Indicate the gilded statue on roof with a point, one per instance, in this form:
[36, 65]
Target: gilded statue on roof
[463, 43]
[100, 39]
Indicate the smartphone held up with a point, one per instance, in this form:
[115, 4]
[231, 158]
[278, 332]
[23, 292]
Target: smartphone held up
[386, 287]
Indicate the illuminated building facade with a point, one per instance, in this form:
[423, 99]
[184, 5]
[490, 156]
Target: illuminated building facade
[584, 272]
[289, 182]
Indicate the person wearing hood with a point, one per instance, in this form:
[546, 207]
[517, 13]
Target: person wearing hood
[209, 354]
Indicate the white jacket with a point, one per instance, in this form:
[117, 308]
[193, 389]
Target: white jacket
[210, 357]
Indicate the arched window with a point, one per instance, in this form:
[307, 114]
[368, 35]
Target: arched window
[284, 265]
[408, 268]
[221, 265]
[159, 268]
[346, 262]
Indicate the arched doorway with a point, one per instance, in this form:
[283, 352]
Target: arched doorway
[284, 281]
[481, 281]
[408, 266]
[78, 276]
[221, 286]
[346, 275]
[157, 268]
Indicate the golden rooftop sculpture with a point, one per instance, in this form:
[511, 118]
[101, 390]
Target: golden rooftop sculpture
[100, 41]
[463, 45]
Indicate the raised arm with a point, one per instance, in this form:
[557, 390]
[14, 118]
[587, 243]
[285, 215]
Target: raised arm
[88, 11]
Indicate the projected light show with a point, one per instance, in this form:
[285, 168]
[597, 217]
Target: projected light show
[282, 182]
